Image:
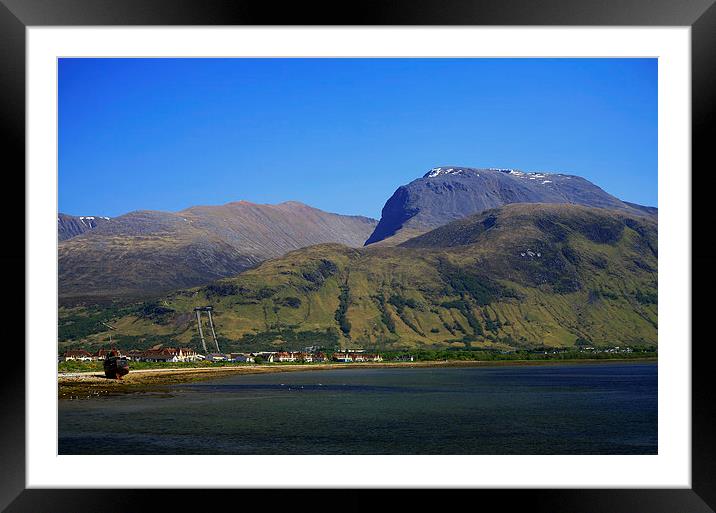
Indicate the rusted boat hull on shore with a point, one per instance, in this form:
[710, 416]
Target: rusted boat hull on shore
[115, 367]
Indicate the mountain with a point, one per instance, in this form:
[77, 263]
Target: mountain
[70, 226]
[519, 276]
[145, 253]
[448, 193]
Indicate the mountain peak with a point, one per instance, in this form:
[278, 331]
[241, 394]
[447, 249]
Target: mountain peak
[294, 203]
[461, 170]
[445, 170]
[447, 193]
[69, 226]
[246, 203]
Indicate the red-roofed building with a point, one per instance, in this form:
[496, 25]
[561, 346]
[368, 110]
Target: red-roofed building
[320, 357]
[342, 357]
[166, 354]
[79, 355]
[102, 353]
[283, 356]
[160, 355]
[135, 355]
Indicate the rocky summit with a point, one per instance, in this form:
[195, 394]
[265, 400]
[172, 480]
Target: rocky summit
[70, 226]
[447, 193]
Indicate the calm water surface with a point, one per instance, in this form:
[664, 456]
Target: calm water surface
[608, 408]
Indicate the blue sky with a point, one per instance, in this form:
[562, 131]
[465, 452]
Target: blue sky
[342, 134]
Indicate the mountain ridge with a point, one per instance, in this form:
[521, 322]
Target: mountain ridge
[69, 226]
[444, 194]
[517, 276]
[146, 252]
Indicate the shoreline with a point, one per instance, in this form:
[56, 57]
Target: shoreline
[84, 385]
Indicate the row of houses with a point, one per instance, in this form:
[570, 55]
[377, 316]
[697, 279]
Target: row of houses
[290, 356]
[167, 354]
[184, 354]
[615, 349]
[268, 356]
[356, 357]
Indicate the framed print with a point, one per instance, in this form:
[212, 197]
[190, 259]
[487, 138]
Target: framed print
[413, 249]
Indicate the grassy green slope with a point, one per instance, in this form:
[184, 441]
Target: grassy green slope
[521, 276]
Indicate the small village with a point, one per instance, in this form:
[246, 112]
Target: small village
[307, 355]
[185, 354]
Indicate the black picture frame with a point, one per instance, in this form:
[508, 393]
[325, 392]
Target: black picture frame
[700, 15]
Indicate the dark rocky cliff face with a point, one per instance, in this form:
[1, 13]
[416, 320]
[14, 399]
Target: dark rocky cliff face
[445, 194]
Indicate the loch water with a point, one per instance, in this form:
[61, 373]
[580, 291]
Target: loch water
[596, 408]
